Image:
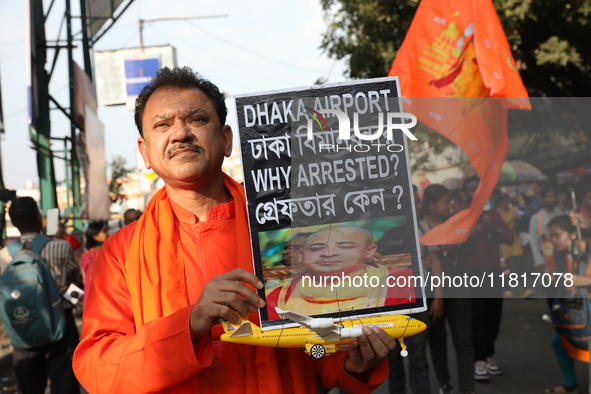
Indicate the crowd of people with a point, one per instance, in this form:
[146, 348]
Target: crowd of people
[519, 234]
[70, 263]
[160, 285]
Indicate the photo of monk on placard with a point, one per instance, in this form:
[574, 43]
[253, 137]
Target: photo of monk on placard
[343, 252]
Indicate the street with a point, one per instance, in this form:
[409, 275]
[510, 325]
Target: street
[523, 352]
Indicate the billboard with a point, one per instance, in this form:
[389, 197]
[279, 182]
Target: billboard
[95, 167]
[85, 95]
[98, 12]
[138, 73]
[121, 74]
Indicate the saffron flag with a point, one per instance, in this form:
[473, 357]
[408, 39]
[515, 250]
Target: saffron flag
[458, 77]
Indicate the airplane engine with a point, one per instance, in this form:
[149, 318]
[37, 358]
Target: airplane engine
[321, 323]
[351, 332]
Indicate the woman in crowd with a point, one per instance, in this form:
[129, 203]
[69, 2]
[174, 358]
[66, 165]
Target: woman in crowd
[456, 306]
[96, 234]
[570, 309]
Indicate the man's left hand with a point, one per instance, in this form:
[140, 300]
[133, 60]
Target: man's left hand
[368, 350]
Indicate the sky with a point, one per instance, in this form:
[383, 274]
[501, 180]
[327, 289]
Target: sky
[261, 45]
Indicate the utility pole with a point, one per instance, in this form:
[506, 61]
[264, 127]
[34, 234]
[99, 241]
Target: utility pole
[85, 40]
[40, 95]
[75, 166]
[40, 127]
[2, 204]
[1, 132]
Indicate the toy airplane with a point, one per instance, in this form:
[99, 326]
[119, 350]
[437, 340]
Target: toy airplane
[318, 337]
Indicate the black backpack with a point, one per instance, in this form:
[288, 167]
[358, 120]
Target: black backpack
[30, 304]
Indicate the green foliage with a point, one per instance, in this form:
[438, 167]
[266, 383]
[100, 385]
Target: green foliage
[118, 173]
[557, 52]
[367, 33]
[549, 43]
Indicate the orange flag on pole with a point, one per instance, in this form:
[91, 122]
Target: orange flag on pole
[458, 77]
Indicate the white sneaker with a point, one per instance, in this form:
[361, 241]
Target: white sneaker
[480, 371]
[445, 389]
[492, 367]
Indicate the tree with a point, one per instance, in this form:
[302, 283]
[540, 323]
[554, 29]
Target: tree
[118, 173]
[548, 39]
[367, 33]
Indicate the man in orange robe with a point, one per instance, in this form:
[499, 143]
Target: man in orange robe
[161, 284]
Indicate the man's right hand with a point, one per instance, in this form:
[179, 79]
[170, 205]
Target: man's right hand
[223, 296]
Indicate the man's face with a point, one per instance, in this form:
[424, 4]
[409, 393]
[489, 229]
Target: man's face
[337, 250]
[183, 140]
[550, 199]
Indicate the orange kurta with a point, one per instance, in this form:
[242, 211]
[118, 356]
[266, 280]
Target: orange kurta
[119, 355]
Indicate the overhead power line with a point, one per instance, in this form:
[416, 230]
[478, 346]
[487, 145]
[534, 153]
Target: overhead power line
[270, 59]
[241, 66]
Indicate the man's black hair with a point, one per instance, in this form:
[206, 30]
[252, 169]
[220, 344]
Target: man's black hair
[24, 213]
[470, 179]
[131, 215]
[179, 78]
[547, 188]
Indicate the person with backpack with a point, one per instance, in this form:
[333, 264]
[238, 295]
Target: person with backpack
[570, 305]
[44, 334]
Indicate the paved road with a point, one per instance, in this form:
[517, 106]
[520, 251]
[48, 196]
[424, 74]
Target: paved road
[524, 353]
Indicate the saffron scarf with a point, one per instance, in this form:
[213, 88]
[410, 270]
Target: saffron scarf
[155, 276]
[155, 269]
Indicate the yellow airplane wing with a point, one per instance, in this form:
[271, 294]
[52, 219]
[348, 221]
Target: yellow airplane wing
[325, 328]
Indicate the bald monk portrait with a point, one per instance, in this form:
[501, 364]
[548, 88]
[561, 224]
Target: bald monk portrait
[346, 253]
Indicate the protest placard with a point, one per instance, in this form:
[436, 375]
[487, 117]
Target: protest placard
[330, 199]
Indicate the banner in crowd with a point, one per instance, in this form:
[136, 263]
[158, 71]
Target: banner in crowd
[330, 199]
[454, 55]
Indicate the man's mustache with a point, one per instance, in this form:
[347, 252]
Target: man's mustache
[192, 147]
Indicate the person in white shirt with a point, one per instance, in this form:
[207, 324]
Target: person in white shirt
[540, 244]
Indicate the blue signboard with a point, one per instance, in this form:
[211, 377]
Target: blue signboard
[138, 74]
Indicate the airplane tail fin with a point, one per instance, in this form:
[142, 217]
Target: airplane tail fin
[244, 329]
